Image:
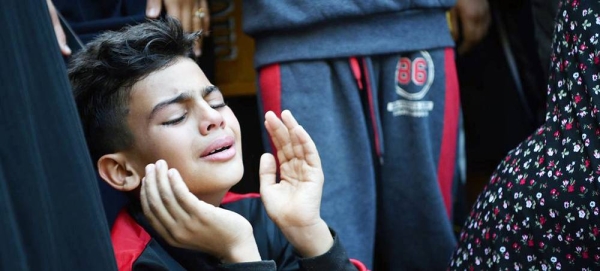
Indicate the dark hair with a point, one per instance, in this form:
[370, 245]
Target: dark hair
[103, 73]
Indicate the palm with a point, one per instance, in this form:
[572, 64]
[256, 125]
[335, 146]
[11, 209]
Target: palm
[296, 199]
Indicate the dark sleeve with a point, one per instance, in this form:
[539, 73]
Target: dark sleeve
[249, 266]
[334, 259]
[155, 258]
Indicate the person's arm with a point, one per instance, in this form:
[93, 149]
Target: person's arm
[294, 202]
[194, 16]
[185, 221]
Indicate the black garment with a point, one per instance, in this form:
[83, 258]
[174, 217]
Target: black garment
[132, 232]
[540, 209]
[51, 217]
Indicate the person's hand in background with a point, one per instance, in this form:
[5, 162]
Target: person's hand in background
[194, 16]
[470, 22]
[58, 30]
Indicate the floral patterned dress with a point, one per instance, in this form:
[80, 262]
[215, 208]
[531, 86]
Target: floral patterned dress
[540, 210]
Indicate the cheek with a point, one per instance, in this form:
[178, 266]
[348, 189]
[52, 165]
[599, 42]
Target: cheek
[169, 145]
[232, 121]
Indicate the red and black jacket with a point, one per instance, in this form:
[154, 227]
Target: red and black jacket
[138, 247]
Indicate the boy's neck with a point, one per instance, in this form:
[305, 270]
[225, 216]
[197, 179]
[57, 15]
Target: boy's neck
[214, 199]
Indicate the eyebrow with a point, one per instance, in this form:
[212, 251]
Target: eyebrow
[182, 97]
[208, 89]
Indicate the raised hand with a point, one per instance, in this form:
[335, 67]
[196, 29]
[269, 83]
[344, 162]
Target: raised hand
[294, 202]
[474, 17]
[187, 222]
[194, 16]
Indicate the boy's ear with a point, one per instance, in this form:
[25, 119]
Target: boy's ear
[118, 172]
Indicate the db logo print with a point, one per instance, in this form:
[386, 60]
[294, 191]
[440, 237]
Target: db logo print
[414, 77]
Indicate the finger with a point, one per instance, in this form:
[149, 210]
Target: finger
[187, 12]
[475, 23]
[153, 8]
[172, 8]
[153, 197]
[144, 201]
[150, 215]
[288, 119]
[205, 20]
[465, 46]
[471, 36]
[58, 30]
[166, 193]
[280, 155]
[197, 27]
[188, 202]
[281, 133]
[198, 47]
[291, 123]
[152, 207]
[467, 30]
[454, 27]
[311, 155]
[267, 170]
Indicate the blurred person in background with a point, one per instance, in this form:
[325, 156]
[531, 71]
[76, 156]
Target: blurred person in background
[375, 85]
[539, 209]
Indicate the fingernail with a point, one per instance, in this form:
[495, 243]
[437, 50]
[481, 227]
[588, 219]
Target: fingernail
[66, 49]
[197, 52]
[149, 168]
[152, 12]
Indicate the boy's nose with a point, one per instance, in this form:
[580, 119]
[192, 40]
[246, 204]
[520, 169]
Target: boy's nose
[210, 120]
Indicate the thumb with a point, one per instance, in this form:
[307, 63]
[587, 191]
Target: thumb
[454, 24]
[58, 30]
[153, 8]
[267, 170]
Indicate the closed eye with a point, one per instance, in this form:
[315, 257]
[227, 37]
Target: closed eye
[217, 106]
[175, 121]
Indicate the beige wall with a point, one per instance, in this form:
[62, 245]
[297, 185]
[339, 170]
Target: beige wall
[234, 72]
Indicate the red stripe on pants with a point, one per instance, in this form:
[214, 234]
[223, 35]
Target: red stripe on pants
[447, 161]
[374, 122]
[270, 92]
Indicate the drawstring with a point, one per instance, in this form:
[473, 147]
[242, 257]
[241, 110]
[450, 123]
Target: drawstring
[363, 83]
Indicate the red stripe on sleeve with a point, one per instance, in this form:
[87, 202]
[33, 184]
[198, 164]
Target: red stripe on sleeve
[233, 197]
[359, 266]
[447, 161]
[129, 240]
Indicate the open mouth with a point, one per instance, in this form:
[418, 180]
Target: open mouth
[219, 150]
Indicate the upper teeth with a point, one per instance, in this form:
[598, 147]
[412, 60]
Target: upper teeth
[217, 150]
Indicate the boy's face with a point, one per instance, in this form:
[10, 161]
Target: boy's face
[177, 115]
